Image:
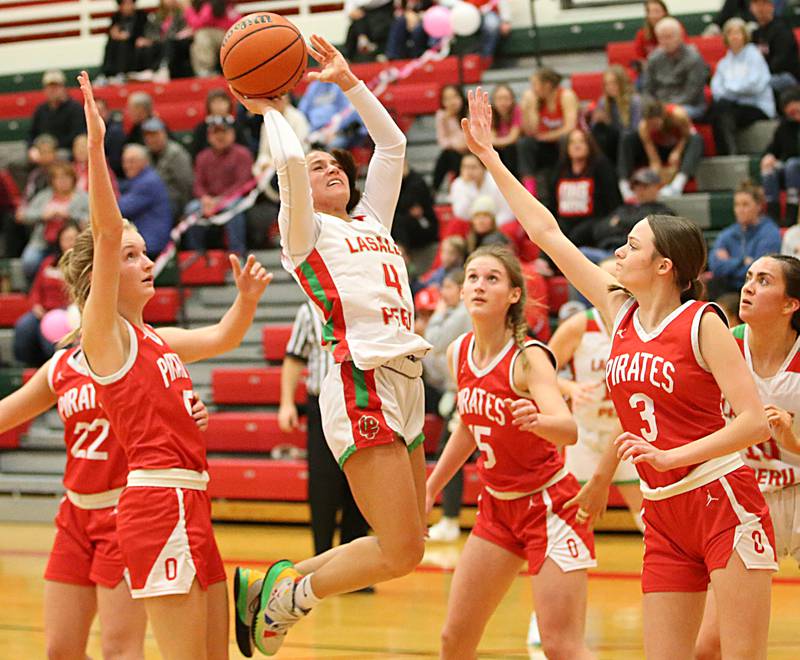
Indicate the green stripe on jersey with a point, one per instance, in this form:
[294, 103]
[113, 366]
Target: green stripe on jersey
[362, 394]
[738, 331]
[316, 286]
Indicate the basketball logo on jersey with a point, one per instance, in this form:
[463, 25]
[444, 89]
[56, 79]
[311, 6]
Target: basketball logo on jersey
[368, 426]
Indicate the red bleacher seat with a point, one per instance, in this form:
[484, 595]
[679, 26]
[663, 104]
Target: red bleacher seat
[250, 431]
[182, 115]
[587, 86]
[205, 269]
[711, 49]
[251, 386]
[412, 98]
[12, 306]
[557, 292]
[258, 479]
[274, 339]
[432, 430]
[163, 307]
[621, 52]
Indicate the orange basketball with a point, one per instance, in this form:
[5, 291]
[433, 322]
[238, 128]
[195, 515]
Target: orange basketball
[263, 55]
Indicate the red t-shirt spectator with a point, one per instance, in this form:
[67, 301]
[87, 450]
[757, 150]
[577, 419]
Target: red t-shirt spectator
[48, 288]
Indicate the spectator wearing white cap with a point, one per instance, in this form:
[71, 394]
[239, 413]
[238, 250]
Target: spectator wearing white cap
[483, 225]
[59, 115]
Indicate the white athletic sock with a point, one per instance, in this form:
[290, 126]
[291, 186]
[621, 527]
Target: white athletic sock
[304, 596]
[679, 182]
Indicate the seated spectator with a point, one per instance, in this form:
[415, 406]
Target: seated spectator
[780, 165]
[585, 188]
[220, 169]
[612, 232]
[127, 49]
[218, 104]
[368, 32]
[139, 109]
[47, 292]
[144, 199]
[506, 125]
[453, 255]
[740, 87]
[172, 163]
[41, 156]
[665, 141]
[333, 121]
[115, 136]
[645, 41]
[676, 73]
[549, 113]
[80, 163]
[482, 226]
[472, 182]
[209, 21]
[48, 211]
[59, 115]
[776, 41]
[11, 242]
[407, 38]
[618, 110]
[449, 136]
[416, 225]
[739, 245]
[730, 9]
[171, 39]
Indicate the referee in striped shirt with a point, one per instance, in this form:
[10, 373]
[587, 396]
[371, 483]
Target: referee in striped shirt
[328, 490]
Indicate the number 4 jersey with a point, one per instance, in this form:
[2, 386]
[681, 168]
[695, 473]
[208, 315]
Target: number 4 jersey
[95, 460]
[511, 461]
[660, 384]
[356, 277]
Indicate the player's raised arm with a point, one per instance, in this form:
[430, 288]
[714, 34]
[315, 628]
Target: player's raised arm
[29, 401]
[540, 225]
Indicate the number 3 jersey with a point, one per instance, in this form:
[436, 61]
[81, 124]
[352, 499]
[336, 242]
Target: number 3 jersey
[356, 277]
[95, 459]
[660, 384]
[511, 460]
[149, 404]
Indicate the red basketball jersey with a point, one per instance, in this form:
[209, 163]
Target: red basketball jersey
[661, 388]
[149, 404]
[511, 460]
[95, 459]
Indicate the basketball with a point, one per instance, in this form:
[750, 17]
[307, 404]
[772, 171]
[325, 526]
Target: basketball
[263, 55]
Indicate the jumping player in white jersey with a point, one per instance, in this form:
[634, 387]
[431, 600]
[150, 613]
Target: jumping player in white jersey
[337, 245]
[583, 342]
[671, 360]
[163, 518]
[770, 342]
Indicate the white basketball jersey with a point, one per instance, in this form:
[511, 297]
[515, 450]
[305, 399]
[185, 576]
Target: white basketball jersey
[588, 365]
[357, 279]
[775, 467]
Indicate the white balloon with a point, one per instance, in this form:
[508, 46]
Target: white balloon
[466, 19]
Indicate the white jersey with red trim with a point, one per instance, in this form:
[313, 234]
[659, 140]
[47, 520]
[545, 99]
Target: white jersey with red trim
[356, 277]
[511, 460]
[775, 467]
[588, 365]
[95, 459]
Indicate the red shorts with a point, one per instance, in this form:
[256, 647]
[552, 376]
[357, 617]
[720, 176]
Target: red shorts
[85, 549]
[166, 540]
[537, 527]
[689, 535]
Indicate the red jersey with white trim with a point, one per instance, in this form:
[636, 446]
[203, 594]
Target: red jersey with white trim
[775, 466]
[95, 459]
[149, 404]
[511, 460]
[660, 385]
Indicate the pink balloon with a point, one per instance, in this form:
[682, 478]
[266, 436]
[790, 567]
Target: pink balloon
[437, 23]
[54, 325]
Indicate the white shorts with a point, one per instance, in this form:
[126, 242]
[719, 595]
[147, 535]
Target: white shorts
[582, 458]
[784, 509]
[371, 407]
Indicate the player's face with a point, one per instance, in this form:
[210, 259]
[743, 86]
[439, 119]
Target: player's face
[330, 187]
[136, 273]
[763, 296]
[487, 291]
[635, 260]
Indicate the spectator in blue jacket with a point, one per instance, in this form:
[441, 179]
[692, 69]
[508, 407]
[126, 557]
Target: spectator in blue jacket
[751, 237]
[740, 87]
[320, 104]
[144, 199]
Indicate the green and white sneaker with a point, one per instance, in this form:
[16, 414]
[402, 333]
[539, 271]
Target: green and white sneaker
[246, 592]
[277, 611]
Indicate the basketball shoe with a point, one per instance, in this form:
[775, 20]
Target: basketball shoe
[276, 609]
[246, 592]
